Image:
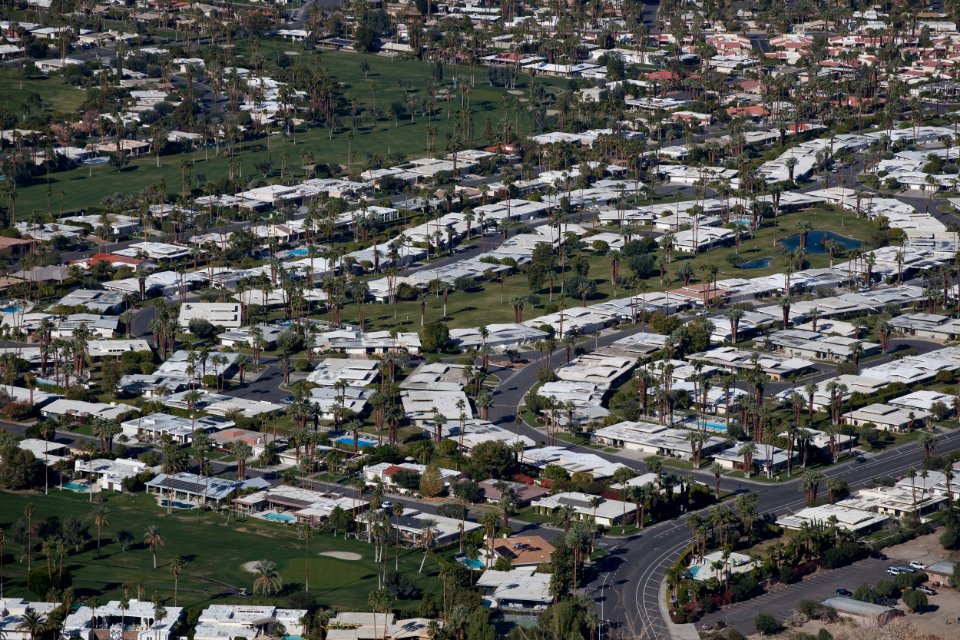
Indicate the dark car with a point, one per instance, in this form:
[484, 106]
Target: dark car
[860, 459]
[845, 593]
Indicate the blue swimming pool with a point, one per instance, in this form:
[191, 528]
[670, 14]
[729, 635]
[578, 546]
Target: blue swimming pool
[816, 241]
[361, 442]
[76, 486]
[177, 505]
[693, 571]
[11, 309]
[714, 426]
[286, 518]
[298, 252]
[473, 563]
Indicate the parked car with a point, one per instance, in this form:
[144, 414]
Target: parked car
[845, 593]
[895, 571]
[919, 566]
[927, 590]
[860, 459]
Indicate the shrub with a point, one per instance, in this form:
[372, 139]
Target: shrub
[915, 600]
[202, 328]
[767, 624]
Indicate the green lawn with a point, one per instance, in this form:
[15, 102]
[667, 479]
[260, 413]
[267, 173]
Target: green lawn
[487, 304]
[55, 95]
[216, 552]
[387, 81]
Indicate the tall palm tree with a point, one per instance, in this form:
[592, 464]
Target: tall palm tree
[28, 512]
[176, 570]
[427, 538]
[99, 516]
[268, 580]
[153, 539]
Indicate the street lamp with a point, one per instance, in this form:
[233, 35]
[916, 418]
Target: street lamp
[600, 622]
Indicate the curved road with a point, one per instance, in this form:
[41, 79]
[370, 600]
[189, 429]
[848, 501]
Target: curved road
[627, 585]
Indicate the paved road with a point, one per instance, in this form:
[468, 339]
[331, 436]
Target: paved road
[819, 587]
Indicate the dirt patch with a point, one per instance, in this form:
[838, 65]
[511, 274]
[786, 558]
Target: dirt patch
[342, 555]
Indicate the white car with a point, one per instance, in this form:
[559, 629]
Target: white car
[919, 566]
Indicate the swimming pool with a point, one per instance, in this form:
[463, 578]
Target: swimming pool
[11, 309]
[714, 426]
[693, 571]
[76, 486]
[348, 440]
[177, 505]
[298, 252]
[473, 563]
[286, 518]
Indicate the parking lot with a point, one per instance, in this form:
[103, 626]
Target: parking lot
[784, 599]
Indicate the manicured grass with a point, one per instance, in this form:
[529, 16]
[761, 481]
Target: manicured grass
[55, 94]
[487, 305]
[529, 515]
[391, 80]
[216, 551]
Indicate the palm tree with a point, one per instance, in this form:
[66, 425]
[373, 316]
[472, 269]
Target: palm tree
[33, 622]
[380, 601]
[268, 580]
[153, 539]
[99, 517]
[747, 450]
[427, 537]
[929, 443]
[810, 483]
[28, 512]
[176, 570]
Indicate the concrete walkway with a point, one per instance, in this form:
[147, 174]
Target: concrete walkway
[676, 631]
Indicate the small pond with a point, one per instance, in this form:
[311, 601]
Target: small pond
[756, 263]
[816, 241]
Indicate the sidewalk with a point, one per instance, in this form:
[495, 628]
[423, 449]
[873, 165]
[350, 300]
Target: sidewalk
[676, 631]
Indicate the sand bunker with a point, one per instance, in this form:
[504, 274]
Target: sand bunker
[251, 567]
[342, 555]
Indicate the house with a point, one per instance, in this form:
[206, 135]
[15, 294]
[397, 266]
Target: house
[767, 458]
[97, 301]
[362, 625]
[86, 623]
[521, 589]
[284, 503]
[886, 417]
[195, 488]
[64, 410]
[388, 473]
[232, 621]
[221, 314]
[656, 439]
[604, 512]
[571, 461]
[12, 611]
[153, 427]
[412, 524]
[108, 473]
[897, 501]
[849, 519]
[521, 551]
[523, 493]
